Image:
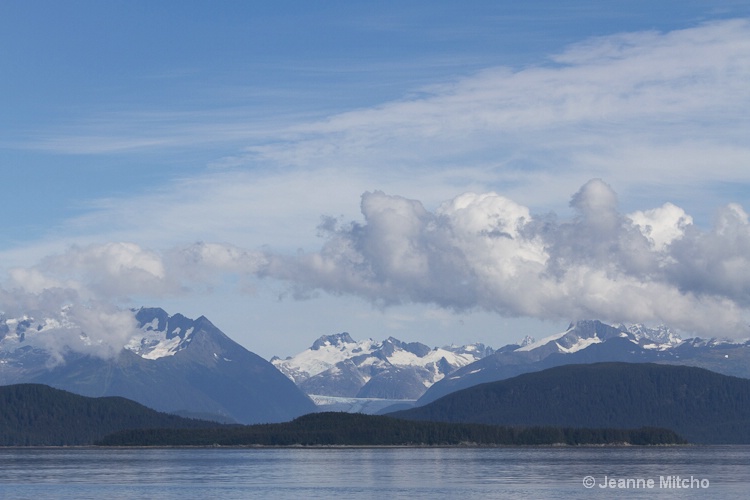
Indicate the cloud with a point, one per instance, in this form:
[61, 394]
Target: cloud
[715, 262]
[95, 329]
[662, 225]
[663, 112]
[65, 322]
[487, 252]
[633, 92]
[634, 108]
[79, 298]
[474, 252]
[115, 272]
[108, 270]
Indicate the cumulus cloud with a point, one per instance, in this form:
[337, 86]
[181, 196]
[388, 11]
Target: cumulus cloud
[662, 225]
[715, 262]
[473, 252]
[487, 252]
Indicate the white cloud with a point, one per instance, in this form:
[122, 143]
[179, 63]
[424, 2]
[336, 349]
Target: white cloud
[107, 270]
[662, 225]
[647, 111]
[650, 112]
[655, 89]
[487, 252]
[96, 329]
[476, 252]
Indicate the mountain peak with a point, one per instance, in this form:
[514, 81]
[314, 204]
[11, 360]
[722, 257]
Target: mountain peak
[527, 340]
[589, 328]
[336, 339]
[658, 335]
[164, 335]
[154, 315]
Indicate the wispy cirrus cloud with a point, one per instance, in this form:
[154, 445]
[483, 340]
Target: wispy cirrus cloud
[662, 116]
[652, 112]
[639, 109]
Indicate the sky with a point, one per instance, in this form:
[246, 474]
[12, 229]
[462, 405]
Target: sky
[437, 171]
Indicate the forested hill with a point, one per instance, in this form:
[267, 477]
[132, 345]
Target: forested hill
[348, 429]
[700, 405]
[38, 415]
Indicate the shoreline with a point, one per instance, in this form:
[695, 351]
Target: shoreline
[358, 446]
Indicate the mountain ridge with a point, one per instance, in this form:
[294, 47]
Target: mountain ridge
[591, 341]
[338, 366]
[330, 370]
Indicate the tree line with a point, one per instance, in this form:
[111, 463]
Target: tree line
[346, 429]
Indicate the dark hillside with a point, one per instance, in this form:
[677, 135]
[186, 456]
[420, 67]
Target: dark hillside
[356, 429]
[38, 415]
[700, 405]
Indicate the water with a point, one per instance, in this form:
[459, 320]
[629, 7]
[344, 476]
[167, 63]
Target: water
[414, 473]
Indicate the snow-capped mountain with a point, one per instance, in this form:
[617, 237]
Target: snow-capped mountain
[582, 334]
[338, 366]
[591, 342]
[160, 335]
[660, 337]
[170, 363]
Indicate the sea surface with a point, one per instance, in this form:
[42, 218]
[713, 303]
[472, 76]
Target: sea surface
[715, 472]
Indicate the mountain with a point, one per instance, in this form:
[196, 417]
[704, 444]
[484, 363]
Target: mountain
[592, 341]
[38, 415]
[339, 366]
[700, 405]
[173, 364]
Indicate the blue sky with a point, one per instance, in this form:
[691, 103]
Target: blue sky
[293, 169]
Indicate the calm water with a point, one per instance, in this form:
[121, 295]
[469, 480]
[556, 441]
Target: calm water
[414, 473]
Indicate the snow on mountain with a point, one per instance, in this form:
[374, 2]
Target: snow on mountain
[338, 366]
[660, 337]
[325, 353]
[29, 331]
[530, 346]
[528, 339]
[160, 335]
[583, 334]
